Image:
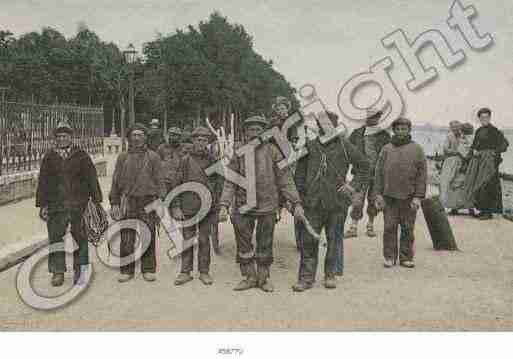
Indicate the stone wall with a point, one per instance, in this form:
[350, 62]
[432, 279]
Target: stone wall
[23, 185]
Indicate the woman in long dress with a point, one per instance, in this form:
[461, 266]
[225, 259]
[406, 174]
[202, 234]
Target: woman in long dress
[457, 184]
[451, 165]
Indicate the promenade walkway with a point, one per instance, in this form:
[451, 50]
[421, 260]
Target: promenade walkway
[467, 290]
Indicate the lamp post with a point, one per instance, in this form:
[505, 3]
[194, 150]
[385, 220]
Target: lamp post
[130, 56]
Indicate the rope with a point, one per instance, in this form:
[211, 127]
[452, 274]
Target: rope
[95, 222]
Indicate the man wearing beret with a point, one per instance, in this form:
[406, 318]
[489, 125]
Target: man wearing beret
[192, 169]
[400, 184]
[273, 187]
[137, 182]
[67, 181]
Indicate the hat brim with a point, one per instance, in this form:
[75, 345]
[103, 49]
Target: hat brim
[261, 123]
[63, 130]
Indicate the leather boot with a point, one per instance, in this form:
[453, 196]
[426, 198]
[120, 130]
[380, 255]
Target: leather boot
[251, 277]
[57, 279]
[330, 282]
[301, 286]
[263, 278]
[183, 278]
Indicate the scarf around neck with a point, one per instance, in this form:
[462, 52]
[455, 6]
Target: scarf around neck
[372, 130]
[137, 150]
[64, 152]
[400, 141]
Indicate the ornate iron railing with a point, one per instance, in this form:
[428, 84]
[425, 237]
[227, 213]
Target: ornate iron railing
[26, 132]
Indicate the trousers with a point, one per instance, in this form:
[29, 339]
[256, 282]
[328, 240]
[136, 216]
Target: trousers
[57, 223]
[332, 222]
[398, 212]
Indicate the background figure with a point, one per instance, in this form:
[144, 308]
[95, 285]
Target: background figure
[186, 143]
[489, 138]
[187, 205]
[369, 140]
[451, 165]
[67, 180]
[137, 182]
[452, 181]
[217, 190]
[400, 181]
[155, 135]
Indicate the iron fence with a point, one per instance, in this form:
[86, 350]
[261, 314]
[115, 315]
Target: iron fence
[26, 132]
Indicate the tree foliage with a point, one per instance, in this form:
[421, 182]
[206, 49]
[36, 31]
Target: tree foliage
[204, 70]
[211, 68]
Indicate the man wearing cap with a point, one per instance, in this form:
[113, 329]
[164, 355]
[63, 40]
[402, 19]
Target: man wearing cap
[186, 143]
[155, 136]
[400, 185]
[67, 181]
[170, 154]
[281, 109]
[187, 205]
[320, 179]
[368, 139]
[137, 182]
[272, 188]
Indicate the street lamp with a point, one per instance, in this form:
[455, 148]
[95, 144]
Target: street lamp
[130, 55]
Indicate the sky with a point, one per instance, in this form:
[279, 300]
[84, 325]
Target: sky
[323, 43]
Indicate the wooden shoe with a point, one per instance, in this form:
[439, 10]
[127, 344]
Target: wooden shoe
[57, 279]
[183, 278]
[149, 277]
[125, 277]
[301, 286]
[370, 231]
[246, 284]
[388, 263]
[407, 264]
[267, 286]
[330, 282]
[351, 232]
[206, 279]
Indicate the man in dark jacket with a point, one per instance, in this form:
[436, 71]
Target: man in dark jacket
[273, 187]
[400, 183]
[320, 179]
[170, 154]
[187, 205]
[368, 139]
[67, 181]
[155, 136]
[137, 182]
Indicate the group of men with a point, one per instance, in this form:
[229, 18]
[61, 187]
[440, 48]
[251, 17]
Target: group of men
[390, 171]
